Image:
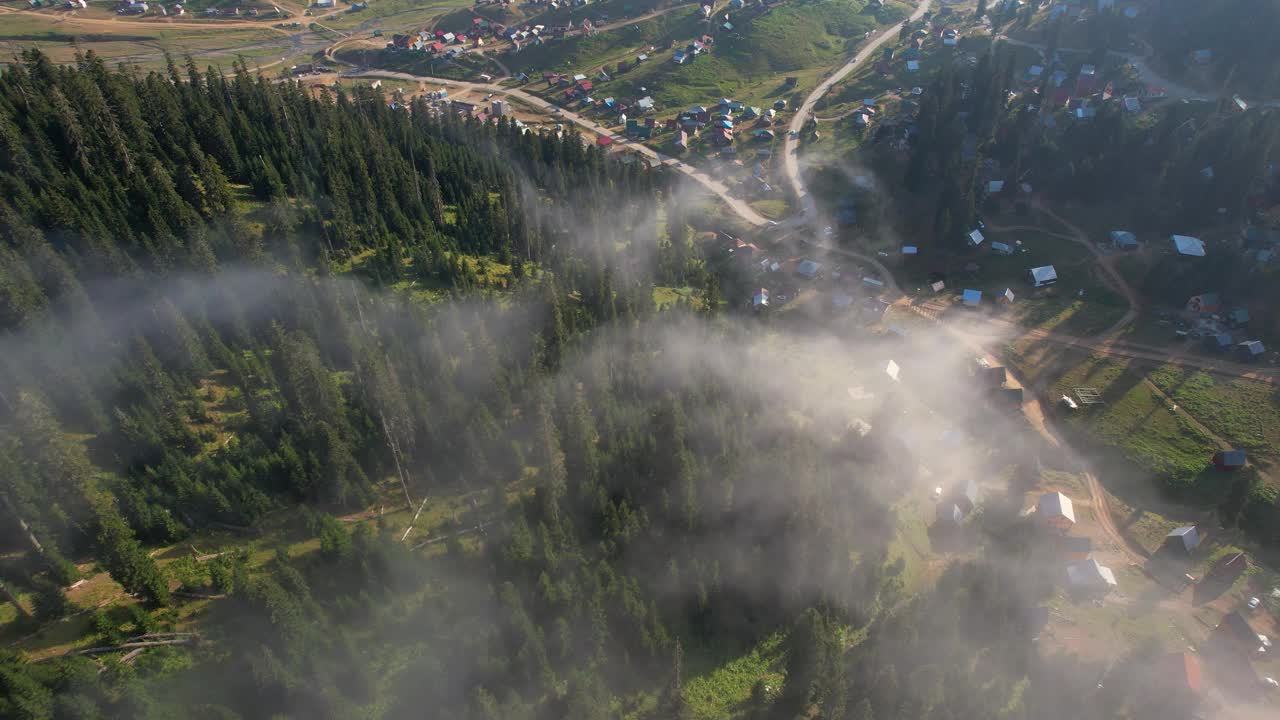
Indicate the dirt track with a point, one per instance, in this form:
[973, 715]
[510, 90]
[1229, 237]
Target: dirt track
[107, 24]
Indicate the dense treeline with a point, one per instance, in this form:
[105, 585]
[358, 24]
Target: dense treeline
[180, 353]
[1240, 35]
[1185, 169]
[172, 362]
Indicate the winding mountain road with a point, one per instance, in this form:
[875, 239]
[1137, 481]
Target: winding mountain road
[791, 144]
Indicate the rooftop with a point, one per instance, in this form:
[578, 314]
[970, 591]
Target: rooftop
[1055, 504]
[1187, 245]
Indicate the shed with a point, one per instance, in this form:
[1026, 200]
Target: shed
[1187, 245]
[913, 65]
[1123, 240]
[993, 377]
[910, 250]
[1230, 459]
[1007, 296]
[892, 370]
[1184, 539]
[760, 299]
[1091, 575]
[1043, 276]
[995, 187]
[1056, 510]
[1237, 630]
[972, 298]
[1000, 248]
[1218, 341]
[1011, 397]
[1252, 348]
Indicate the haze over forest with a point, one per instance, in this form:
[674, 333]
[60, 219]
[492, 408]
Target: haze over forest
[333, 400]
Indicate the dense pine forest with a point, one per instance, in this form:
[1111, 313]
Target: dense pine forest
[392, 308]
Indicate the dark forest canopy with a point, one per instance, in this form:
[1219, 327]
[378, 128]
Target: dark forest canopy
[647, 494]
[1239, 35]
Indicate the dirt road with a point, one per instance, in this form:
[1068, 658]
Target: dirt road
[790, 148]
[1105, 261]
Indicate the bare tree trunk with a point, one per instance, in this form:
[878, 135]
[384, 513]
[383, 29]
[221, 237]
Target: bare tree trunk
[26, 529]
[188, 640]
[414, 520]
[4, 590]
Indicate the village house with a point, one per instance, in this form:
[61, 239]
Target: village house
[1091, 576]
[808, 269]
[1043, 276]
[1235, 631]
[991, 377]
[1056, 511]
[1251, 350]
[960, 502]
[1229, 460]
[1182, 540]
[1123, 240]
[760, 300]
[1189, 246]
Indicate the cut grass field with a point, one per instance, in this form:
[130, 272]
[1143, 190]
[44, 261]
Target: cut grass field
[1134, 420]
[145, 44]
[1244, 412]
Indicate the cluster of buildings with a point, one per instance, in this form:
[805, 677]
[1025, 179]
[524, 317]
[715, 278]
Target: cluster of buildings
[141, 7]
[446, 43]
[723, 120]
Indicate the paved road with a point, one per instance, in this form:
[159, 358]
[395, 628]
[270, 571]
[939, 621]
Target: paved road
[741, 208]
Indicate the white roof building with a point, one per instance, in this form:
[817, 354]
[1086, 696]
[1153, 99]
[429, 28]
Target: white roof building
[976, 238]
[1187, 245]
[1056, 505]
[1044, 275]
[1185, 537]
[1091, 574]
[892, 370]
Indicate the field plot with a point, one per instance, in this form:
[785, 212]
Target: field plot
[143, 42]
